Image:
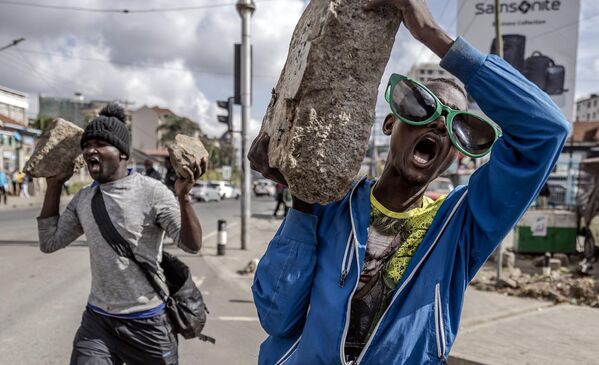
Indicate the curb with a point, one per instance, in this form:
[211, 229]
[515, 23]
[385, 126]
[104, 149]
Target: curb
[453, 360]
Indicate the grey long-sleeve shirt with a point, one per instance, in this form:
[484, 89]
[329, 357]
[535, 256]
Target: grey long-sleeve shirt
[142, 209]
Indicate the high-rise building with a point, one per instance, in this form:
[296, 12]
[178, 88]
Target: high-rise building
[424, 72]
[77, 110]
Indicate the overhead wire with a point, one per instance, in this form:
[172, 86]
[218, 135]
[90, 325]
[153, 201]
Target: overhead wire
[125, 10]
[34, 69]
[11, 60]
[128, 64]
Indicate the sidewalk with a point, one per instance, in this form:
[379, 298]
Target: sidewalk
[495, 329]
[15, 202]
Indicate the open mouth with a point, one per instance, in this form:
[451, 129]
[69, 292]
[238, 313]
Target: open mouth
[93, 163]
[425, 151]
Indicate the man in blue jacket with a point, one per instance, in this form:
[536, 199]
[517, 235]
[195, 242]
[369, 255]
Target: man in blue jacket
[379, 276]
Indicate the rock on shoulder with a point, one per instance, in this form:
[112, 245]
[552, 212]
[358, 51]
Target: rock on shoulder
[322, 110]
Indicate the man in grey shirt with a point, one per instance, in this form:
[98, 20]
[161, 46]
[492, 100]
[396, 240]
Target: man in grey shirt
[125, 320]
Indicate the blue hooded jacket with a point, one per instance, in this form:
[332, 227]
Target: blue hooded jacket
[306, 279]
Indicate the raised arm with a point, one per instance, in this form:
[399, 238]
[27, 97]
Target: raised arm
[57, 231]
[534, 133]
[284, 276]
[177, 217]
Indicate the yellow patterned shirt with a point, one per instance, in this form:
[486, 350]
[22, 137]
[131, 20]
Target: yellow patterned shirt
[404, 232]
[393, 239]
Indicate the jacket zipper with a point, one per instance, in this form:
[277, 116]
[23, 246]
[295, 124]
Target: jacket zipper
[357, 256]
[346, 264]
[439, 327]
[289, 352]
[401, 287]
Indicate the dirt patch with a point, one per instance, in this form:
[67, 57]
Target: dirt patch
[561, 286]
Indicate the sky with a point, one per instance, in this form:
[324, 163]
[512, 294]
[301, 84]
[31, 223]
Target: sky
[183, 59]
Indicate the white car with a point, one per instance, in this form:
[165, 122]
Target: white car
[225, 189]
[203, 191]
[264, 187]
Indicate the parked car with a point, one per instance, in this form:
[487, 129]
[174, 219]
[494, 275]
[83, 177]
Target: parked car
[439, 186]
[204, 192]
[264, 187]
[225, 189]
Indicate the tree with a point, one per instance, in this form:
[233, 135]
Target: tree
[42, 122]
[174, 125]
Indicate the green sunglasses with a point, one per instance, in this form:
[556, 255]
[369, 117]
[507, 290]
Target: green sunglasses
[413, 103]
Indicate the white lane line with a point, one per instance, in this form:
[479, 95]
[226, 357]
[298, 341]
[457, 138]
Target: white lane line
[238, 319]
[198, 280]
[213, 233]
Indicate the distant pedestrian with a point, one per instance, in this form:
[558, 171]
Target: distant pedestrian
[151, 171]
[287, 200]
[171, 175]
[125, 319]
[543, 199]
[22, 181]
[280, 198]
[15, 184]
[3, 186]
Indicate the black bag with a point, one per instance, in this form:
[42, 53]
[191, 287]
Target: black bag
[544, 73]
[556, 78]
[185, 306]
[536, 69]
[514, 46]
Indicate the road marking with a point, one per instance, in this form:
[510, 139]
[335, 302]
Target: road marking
[238, 319]
[198, 281]
[213, 233]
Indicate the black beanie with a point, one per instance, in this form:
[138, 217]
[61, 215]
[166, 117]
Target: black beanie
[110, 127]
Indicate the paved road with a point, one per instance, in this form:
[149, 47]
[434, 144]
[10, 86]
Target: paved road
[42, 296]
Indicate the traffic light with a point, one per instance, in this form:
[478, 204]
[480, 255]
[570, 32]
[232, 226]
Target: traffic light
[226, 119]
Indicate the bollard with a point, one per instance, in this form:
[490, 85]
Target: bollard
[222, 237]
[546, 267]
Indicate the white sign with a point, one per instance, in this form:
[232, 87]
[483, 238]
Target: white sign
[539, 227]
[540, 39]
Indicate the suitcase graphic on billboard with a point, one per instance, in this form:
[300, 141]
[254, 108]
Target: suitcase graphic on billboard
[514, 46]
[556, 77]
[544, 73]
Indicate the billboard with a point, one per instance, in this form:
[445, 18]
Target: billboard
[540, 39]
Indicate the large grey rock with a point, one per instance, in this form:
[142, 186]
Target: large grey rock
[188, 154]
[323, 107]
[58, 147]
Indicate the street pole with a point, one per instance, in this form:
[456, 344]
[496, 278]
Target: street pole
[245, 8]
[374, 154]
[499, 48]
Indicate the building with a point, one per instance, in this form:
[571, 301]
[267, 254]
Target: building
[77, 110]
[588, 109]
[144, 124]
[424, 72]
[17, 140]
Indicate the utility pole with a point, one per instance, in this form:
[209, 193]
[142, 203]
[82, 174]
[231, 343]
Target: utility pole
[498, 36]
[13, 43]
[245, 8]
[374, 153]
[499, 48]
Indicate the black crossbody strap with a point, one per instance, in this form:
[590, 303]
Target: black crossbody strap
[119, 244]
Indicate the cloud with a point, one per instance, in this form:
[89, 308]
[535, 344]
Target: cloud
[192, 52]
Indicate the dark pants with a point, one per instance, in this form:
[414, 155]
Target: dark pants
[3, 194]
[103, 340]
